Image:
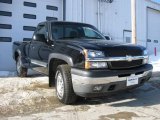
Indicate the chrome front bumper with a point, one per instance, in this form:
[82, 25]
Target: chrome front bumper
[80, 80]
[84, 85]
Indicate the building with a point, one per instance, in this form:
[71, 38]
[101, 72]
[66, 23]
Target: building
[18, 19]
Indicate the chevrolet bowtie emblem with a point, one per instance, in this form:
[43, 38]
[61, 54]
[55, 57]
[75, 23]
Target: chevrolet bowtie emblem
[129, 58]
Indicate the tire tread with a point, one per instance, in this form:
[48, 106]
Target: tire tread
[69, 95]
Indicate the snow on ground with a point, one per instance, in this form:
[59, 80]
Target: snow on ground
[25, 95]
[30, 98]
[155, 61]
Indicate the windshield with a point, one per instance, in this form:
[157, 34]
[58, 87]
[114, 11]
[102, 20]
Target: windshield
[74, 31]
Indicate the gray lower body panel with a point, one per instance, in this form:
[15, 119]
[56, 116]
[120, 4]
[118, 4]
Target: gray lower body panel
[87, 86]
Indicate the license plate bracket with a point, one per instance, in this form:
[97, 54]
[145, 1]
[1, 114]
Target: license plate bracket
[133, 80]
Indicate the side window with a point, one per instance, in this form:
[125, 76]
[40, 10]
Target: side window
[57, 32]
[41, 29]
[62, 32]
[90, 33]
[72, 32]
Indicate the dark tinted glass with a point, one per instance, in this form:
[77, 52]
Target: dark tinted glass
[29, 16]
[73, 31]
[148, 40]
[155, 41]
[29, 28]
[5, 39]
[51, 18]
[29, 4]
[5, 13]
[49, 7]
[5, 26]
[6, 1]
[27, 39]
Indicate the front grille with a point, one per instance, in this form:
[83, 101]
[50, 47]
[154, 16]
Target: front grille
[125, 64]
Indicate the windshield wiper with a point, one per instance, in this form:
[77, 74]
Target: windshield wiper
[67, 38]
[93, 37]
[78, 38]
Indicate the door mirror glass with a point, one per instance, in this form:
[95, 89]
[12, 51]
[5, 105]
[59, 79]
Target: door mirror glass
[39, 37]
[108, 38]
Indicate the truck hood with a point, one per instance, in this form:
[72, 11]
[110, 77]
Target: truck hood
[110, 48]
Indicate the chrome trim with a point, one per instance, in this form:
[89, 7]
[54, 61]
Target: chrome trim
[109, 59]
[40, 63]
[80, 80]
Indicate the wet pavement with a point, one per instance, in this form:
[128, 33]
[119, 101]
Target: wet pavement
[30, 99]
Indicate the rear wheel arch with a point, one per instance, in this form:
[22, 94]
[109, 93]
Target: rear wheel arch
[20, 68]
[21, 71]
[17, 54]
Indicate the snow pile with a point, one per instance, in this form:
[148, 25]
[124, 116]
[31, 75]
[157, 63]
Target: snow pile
[26, 95]
[155, 61]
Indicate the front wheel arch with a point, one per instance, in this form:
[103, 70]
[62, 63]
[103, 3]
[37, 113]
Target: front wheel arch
[53, 64]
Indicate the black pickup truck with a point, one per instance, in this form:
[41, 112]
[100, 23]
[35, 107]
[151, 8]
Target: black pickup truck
[80, 61]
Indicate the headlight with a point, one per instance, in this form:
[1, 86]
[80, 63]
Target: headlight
[145, 52]
[93, 54]
[146, 60]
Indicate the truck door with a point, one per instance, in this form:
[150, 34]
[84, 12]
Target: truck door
[47, 47]
[36, 45]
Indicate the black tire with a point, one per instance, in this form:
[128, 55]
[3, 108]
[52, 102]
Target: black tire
[21, 71]
[68, 96]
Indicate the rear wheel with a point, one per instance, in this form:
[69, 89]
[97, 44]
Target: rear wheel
[64, 88]
[21, 71]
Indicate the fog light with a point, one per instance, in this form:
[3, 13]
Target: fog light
[97, 88]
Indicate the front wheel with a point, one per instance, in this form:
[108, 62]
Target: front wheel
[64, 88]
[21, 71]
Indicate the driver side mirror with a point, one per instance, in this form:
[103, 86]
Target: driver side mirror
[108, 37]
[39, 37]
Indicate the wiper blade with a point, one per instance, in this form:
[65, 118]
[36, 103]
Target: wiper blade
[93, 38]
[67, 38]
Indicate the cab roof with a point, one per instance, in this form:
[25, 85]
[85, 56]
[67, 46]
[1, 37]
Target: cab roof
[66, 22]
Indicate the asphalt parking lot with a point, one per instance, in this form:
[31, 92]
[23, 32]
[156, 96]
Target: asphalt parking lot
[31, 99]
